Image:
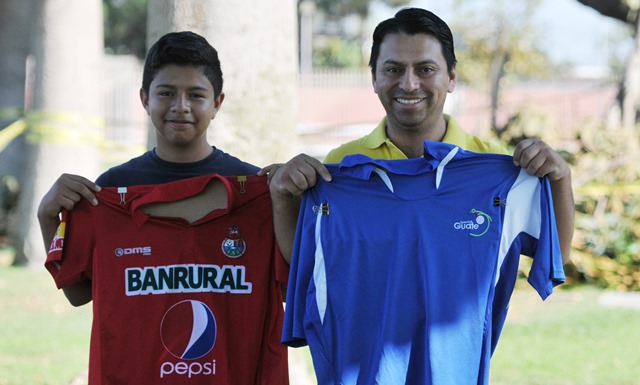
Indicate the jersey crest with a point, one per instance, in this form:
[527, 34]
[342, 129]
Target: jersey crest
[234, 246]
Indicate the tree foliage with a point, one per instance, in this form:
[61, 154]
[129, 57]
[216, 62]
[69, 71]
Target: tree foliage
[343, 8]
[125, 26]
[506, 49]
[338, 48]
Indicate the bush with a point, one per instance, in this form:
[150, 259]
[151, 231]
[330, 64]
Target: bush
[606, 175]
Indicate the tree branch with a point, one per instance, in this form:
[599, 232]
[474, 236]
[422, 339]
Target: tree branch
[617, 9]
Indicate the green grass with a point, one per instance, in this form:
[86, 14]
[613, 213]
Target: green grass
[568, 339]
[43, 339]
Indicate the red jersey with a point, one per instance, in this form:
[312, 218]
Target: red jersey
[178, 301]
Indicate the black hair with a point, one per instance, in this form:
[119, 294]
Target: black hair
[413, 21]
[183, 48]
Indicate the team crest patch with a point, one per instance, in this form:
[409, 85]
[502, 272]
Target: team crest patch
[58, 239]
[234, 246]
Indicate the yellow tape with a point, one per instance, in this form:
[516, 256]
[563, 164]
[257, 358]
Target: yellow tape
[46, 127]
[64, 128]
[11, 132]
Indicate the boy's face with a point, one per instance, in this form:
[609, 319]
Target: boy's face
[181, 104]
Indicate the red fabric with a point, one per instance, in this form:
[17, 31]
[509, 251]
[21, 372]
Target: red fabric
[158, 281]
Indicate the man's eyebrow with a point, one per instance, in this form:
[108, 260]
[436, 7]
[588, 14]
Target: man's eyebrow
[399, 63]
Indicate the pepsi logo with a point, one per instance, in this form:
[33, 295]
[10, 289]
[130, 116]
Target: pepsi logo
[188, 330]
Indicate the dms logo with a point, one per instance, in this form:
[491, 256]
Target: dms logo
[144, 250]
[188, 332]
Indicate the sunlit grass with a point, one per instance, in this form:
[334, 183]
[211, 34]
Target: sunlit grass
[568, 339]
[43, 339]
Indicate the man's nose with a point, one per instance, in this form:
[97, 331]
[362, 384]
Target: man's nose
[409, 82]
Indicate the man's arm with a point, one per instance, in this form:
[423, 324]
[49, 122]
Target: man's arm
[287, 183]
[539, 159]
[64, 194]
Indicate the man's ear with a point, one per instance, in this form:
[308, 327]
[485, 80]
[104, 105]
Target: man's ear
[452, 80]
[373, 81]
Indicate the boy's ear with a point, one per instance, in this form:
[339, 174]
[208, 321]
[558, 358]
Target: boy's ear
[217, 104]
[219, 100]
[144, 98]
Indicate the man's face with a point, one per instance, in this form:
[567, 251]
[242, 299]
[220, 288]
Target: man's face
[412, 81]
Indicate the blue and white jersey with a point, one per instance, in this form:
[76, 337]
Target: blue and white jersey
[402, 270]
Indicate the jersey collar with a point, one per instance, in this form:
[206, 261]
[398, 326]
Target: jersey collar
[182, 189]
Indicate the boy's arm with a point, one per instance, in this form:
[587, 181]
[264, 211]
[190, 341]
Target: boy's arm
[64, 194]
[79, 293]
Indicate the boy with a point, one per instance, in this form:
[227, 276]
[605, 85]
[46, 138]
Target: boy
[182, 92]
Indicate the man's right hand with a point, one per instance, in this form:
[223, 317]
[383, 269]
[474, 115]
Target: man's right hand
[287, 183]
[296, 176]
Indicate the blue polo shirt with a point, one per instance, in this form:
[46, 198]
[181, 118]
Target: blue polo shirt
[402, 270]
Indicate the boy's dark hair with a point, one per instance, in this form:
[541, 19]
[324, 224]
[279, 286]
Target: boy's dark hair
[413, 21]
[183, 48]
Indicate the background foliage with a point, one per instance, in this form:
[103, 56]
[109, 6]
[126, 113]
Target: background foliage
[491, 55]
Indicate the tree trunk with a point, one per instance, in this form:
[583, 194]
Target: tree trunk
[257, 45]
[628, 12]
[14, 44]
[631, 100]
[65, 124]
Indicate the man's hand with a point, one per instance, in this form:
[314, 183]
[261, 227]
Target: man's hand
[295, 176]
[287, 183]
[540, 160]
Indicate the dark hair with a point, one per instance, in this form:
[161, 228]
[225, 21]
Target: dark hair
[413, 21]
[183, 48]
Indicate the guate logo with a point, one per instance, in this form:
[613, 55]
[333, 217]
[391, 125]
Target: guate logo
[188, 330]
[476, 227]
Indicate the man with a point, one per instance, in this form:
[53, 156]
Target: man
[413, 68]
[429, 308]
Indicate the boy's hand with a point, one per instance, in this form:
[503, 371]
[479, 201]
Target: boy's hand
[65, 193]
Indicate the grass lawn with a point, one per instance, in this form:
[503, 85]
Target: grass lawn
[568, 339]
[43, 339]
